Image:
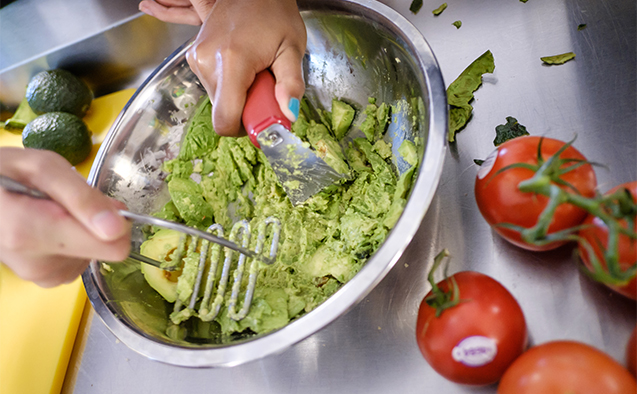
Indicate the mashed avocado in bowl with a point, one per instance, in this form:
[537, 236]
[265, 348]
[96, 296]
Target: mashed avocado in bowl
[375, 108]
[323, 242]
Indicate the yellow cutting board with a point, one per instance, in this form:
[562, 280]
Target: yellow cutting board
[38, 326]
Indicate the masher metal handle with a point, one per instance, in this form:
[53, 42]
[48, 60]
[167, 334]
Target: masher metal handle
[16, 187]
[146, 219]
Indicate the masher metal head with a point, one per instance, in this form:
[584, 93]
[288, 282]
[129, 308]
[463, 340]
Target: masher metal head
[213, 280]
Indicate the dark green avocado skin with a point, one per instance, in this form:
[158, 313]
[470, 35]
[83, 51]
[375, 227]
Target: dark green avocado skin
[58, 91]
[60, 132]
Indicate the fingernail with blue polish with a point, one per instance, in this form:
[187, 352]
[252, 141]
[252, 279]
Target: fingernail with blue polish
[294, 106]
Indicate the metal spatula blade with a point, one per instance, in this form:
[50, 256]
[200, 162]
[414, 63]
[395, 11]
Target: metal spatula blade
[300, 171]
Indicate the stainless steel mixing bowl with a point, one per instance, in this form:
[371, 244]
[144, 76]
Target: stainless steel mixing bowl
[356, 49]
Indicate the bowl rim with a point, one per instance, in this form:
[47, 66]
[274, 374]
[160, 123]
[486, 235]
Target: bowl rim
[374, 269]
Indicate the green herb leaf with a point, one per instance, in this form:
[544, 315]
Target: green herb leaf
[478, 161]
[509, 131]
[457, 24]
[415, 6]
[460, 92]
[439, 10]
[558, 59]
[581, 26]
[523, 1]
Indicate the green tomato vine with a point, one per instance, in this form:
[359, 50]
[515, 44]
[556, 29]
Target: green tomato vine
[611, 209]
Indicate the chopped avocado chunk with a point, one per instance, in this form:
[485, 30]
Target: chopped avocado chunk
[327, 148]
[299, 128]
[382, 115]
[188, 198]
[380, 166]
[357, 159]
[199, 139]
[331, 152]
[22, 116]
[383, 149]
[342, 117]
[370, 124]
[400, 198]
[408, 152]
[330, 262]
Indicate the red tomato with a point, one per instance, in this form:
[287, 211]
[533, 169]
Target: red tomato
[566, 367]
[596, 233]
[500, 200]
[631, 353]
[475, 341]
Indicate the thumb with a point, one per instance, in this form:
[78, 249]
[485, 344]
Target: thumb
[289, 89]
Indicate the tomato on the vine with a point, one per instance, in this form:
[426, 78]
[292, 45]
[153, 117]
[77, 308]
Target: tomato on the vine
[500, 201]
[474, 340]
[566, 367]
[595, 234]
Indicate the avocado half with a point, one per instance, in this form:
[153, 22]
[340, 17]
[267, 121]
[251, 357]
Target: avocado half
[160, 247]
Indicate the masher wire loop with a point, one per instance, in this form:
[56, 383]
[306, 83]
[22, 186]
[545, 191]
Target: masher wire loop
[206, 268]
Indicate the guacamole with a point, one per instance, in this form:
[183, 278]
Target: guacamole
[324, 242]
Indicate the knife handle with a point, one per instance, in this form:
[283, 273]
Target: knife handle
[261, 109]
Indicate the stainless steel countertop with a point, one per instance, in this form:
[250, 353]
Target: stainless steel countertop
[372, 348]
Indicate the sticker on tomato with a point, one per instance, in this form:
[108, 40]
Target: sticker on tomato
[475, 351]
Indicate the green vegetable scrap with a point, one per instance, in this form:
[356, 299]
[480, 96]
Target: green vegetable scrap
[558, 59]
[509, 131]
[460, 92]
[22, 116]
[415, 6]
[581, 26]
[457, 24]
[523, 1]
[478, 161]
[324, 242]
[439, 10]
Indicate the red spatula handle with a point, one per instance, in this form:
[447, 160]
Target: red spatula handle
[261, 109]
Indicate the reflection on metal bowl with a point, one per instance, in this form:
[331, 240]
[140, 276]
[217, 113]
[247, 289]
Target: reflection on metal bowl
[356, 49]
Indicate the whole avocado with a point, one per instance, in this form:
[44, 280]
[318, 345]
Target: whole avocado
[58, 91]
[60, 132]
